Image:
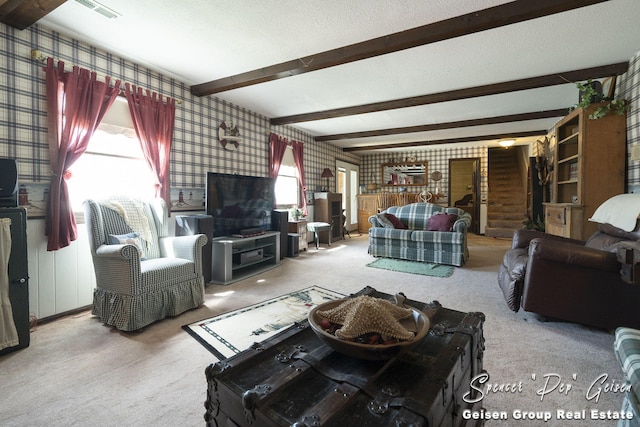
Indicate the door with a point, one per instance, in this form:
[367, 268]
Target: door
[348, 182]
[464, 187]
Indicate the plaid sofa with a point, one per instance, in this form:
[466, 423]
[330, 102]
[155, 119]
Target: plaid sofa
[627, 350]
[416, 243]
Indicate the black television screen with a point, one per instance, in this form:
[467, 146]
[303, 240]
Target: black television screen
[239, 204]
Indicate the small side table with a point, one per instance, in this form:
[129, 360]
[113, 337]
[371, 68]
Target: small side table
[315, 227]
[629, 255]
[299, 226]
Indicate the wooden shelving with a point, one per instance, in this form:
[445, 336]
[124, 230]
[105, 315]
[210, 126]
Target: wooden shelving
[589, 168]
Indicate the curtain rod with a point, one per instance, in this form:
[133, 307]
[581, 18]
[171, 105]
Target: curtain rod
[39, 56]
[268, 133]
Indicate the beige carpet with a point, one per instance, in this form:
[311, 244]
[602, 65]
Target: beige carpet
[79, 372]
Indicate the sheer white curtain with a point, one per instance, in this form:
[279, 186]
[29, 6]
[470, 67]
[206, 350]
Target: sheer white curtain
[8, 332]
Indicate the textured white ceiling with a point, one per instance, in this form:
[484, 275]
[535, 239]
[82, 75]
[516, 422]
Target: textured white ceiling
[201, 40]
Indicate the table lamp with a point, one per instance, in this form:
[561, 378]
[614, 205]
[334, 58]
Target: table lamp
[326, 173]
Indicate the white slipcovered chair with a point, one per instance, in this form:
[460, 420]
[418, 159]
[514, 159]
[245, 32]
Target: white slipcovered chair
[142, 274]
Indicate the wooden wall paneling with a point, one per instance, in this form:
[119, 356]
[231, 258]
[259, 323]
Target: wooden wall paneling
[33, 241]
[66, 278]
[86, 276]
[60, 280]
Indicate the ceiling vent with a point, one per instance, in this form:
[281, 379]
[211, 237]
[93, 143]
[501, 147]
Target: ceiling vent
[99, 8]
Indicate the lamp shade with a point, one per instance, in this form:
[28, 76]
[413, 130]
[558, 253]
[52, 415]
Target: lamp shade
[326, 173]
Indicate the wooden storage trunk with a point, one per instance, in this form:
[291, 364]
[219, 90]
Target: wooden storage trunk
[295, 379]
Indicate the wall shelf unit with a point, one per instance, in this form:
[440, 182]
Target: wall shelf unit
[589, 168]
[236, 258]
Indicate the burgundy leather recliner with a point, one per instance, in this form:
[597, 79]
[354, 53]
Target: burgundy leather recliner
[571, 280]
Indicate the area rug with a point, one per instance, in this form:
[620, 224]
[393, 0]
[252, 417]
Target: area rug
[413, 267]
[235, 331]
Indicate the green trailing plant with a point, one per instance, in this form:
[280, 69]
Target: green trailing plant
[614, 105]
[531, 224]
[296, 213]
[589, 95]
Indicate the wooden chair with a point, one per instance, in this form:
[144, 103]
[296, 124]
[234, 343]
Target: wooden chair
[425, 196]
[386, 200]
[406, 198]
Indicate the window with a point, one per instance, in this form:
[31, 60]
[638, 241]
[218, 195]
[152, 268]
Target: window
[287, 187]
[113, 162]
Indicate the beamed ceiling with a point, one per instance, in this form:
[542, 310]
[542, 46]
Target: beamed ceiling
[369, 75]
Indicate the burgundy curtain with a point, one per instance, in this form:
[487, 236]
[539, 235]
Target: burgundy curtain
[298, 156]
[277, 147]
[76, 103]
[153, 121]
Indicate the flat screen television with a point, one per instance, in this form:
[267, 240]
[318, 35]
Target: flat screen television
[239, 204]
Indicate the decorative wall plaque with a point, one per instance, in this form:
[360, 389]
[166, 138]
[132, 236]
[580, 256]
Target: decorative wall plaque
[229, 136]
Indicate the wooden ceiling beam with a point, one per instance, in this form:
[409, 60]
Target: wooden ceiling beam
[22, 14]
[494, 17]
[449, 125]
[453, 95]
[414, 144]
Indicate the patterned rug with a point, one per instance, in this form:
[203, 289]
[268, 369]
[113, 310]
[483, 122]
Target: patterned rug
[235, 331]
[413, 267]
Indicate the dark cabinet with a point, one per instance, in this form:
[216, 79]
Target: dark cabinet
[18, 275]
[328, 208]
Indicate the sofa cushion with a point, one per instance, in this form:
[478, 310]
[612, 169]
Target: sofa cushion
[390, 233]
[442, 222]
[437, 237]
[415, 215]
[130, 239]
[384, 221]
[395, 221]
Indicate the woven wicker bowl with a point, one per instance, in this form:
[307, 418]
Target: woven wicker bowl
[367, 351]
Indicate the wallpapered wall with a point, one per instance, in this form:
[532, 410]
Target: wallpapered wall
[195, 150]
[629, 88]
[437, 160]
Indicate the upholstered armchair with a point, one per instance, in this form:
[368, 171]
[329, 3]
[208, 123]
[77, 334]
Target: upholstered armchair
[142, 274]
[573, 280]
[569, 280]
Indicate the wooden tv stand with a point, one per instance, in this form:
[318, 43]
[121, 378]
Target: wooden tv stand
[236, 258]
